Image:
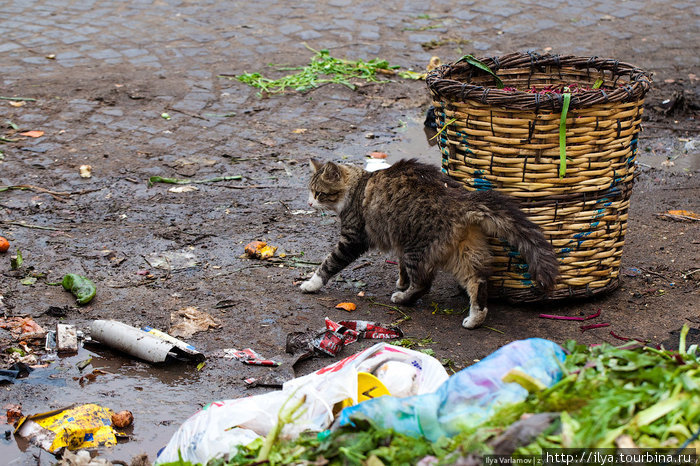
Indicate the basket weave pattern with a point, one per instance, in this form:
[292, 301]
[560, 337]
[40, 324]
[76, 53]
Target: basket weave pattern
[509, 139]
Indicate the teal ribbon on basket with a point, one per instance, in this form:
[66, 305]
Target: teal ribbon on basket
[562, 135]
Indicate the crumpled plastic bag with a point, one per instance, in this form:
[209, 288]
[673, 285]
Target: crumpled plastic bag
[222, 425]
[470, 396]
[74, 427]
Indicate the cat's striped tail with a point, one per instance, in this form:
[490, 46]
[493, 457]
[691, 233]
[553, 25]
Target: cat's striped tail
[498, 215]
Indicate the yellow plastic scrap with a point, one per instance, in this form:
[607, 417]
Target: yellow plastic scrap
[682, 214]
[260, 250]
[368, 387]
[84, 426]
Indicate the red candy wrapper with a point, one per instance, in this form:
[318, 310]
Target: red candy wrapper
[372, 330]
[339, 334]
[248, 356]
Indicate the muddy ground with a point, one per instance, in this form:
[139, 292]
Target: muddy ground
[113, 227]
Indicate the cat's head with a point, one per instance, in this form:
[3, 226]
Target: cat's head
[329, 185]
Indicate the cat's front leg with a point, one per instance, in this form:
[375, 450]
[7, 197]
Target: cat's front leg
[347, 250]
[312, 284]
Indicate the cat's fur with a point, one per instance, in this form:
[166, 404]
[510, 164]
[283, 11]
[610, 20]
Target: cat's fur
[430, 222]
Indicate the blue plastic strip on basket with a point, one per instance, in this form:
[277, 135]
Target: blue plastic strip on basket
[482, 184]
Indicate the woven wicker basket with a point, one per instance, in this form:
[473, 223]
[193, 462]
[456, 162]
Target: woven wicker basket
[509, 139]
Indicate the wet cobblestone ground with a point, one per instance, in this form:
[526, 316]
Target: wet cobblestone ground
[189, 44]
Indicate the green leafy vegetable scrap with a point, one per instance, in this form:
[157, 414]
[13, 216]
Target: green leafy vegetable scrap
[323, 69]
[82, 288]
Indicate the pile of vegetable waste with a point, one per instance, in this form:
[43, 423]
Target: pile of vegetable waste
[631, 395]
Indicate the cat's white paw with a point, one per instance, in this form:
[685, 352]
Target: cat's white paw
[401, 285]
[475, 318]
[398, 298]
[312, 284]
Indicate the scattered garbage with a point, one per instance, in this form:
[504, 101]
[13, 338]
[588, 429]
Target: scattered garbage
[586, 409]
[13, 412]
[583, 328]
[521, 433]
[222, 425]
[259, 250]
[248, 356]
[82, 287]
[172, 260]
[680, 215]
[159, 179]
[83, 364]
[73, 427]
[592, 326]
[620, 337]
[470, 396]
[89, 377]
[346, 306]
[122, 419]
[85, 171]
[32, 134]
[275, 378]
[18, 370]
[336, 335]
[372, 165]
[23, 328]
[82, 458]
[148, 344]
[322, 69]
[186, 322]
[183, 189]
[66, 338]
[16, 260]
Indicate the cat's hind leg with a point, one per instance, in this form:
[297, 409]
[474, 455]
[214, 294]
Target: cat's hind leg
[478, 295]
[471, 268]
[419, 275]
[403, 282]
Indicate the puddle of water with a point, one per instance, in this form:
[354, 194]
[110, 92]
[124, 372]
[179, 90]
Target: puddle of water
[413, 141]
[676, 155]
[160, 397]
[410, 139]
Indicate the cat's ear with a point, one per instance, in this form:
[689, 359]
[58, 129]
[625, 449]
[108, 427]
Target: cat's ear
[315, 165]
[333, 172]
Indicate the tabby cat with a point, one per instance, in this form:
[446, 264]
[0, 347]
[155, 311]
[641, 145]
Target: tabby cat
[430, 222]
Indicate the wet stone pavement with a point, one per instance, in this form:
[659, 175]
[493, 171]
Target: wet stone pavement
[103, 73]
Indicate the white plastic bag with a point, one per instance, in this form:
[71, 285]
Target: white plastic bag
[220, 426]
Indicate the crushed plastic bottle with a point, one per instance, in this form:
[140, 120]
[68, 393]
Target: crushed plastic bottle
[467, 398]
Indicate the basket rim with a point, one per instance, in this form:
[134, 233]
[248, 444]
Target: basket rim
[442, 84]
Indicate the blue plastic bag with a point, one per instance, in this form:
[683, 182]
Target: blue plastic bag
[467, 398]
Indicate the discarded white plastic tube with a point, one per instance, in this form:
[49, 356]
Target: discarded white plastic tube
[142, 344]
